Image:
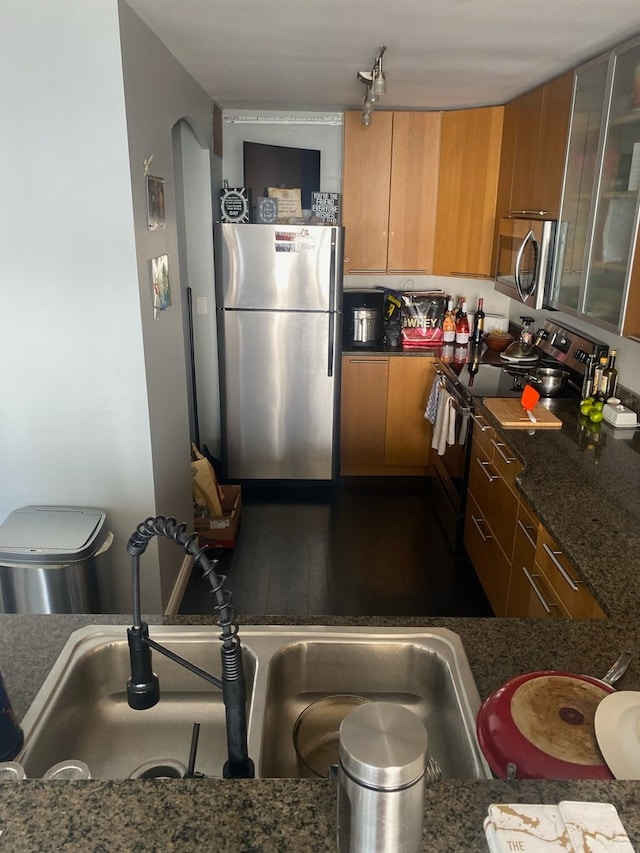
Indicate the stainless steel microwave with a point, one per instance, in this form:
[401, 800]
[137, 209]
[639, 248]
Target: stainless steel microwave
[524, 268]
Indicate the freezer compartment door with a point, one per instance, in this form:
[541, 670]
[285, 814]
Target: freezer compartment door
[273, 267]
[279, 399]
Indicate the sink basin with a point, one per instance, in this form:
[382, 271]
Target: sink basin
[81, 711]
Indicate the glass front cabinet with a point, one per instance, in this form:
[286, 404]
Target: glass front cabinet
[597, 257]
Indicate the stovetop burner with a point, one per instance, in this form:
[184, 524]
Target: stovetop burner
[478, 372]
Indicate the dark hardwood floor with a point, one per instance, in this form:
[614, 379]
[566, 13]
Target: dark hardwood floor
[365, 547]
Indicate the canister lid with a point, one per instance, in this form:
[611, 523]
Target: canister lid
[383, 745]
[51, 534]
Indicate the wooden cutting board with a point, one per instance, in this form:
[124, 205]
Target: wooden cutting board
[510, 414]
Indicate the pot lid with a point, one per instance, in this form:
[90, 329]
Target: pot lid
[543, 722]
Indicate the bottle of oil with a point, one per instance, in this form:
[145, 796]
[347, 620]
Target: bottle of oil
[610, 376]
[599, 382]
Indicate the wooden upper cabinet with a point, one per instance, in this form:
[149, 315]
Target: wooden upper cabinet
[534, 145]
[413, 191]
[365, 203]
[390, 180]
[467, 191]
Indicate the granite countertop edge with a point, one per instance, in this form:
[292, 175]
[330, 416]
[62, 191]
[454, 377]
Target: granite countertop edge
[291, 815]
[588, 502]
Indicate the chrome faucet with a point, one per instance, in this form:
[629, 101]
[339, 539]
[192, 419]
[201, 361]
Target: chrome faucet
[143, 689]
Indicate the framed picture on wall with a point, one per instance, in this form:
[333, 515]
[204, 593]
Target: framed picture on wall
[160, 284]
[155, 203]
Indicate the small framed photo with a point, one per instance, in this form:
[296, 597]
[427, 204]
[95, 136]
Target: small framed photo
[160, 284]
[155, 203]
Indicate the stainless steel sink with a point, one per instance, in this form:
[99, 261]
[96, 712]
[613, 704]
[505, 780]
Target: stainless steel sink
[81, 711]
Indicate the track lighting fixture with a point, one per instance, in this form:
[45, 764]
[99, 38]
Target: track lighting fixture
[376, 84]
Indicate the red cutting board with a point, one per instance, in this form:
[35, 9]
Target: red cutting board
[510, 414]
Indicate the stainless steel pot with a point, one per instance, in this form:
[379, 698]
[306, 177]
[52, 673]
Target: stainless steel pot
[549, 381]
[366, 327]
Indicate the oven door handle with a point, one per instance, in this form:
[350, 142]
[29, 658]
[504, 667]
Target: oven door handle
[458, 406]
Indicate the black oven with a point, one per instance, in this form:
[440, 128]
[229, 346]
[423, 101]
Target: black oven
[481, 374]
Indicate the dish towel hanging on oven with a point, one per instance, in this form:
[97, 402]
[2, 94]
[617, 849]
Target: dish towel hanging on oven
[431, 411]
[444, 431]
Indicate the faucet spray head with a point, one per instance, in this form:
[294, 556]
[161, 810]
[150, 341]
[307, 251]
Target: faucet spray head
[143, 688]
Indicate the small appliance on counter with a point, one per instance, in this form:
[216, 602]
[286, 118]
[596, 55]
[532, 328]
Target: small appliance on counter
[362, 314]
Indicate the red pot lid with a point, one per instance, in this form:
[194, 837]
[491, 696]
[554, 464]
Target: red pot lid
[543, 722]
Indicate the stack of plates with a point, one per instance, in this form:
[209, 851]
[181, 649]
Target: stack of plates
[617, 724]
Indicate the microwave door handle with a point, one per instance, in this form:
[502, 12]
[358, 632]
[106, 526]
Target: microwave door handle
[518, 274]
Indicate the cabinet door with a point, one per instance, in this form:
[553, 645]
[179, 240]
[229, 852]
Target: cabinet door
[491, 565]
[586, 123]
[616, 215]
[414, 187]
[563, 579]
[552, 144]
[541, 119]
[524, 551]
[363, 412]
[527, 112]
[408, 435]
[467, 191]
[365, 203]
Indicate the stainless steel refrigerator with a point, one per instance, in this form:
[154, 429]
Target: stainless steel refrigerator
[279, 300]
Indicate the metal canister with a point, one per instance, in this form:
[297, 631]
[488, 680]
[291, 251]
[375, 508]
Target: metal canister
[11, 735]
[381, 780]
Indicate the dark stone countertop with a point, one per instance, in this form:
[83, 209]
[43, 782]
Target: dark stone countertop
[293, 815]
[584, 484]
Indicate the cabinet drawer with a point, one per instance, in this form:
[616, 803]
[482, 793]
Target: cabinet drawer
[492, 494]
[542, 602]
[491, 566]
[563, 578]
[524, 552]
[505, 461]
[484, 434]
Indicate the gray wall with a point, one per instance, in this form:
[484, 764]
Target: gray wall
[93, 390]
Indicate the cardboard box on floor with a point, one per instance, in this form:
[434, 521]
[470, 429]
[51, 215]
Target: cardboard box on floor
[221, 531]
[218, 507]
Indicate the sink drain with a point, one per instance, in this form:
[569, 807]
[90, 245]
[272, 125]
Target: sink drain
[160, 768]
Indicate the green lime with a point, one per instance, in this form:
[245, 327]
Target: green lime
[588, 400]
[595, 416]
[586, 408]
[599, 405]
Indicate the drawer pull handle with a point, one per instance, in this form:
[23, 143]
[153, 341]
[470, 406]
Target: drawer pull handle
[498, 446]
[556, 562]
[477, 419]
[534, 587]
[477, 521]
[526, 530]
[483, 465]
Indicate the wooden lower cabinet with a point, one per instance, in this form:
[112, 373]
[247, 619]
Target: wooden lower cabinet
[383, 430]
[491, 565]
[522, 570]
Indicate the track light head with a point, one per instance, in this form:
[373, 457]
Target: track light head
[376, 84]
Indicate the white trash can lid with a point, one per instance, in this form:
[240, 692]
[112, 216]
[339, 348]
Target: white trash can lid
[51, 534]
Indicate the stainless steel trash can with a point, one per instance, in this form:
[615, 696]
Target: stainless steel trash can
[50, 558]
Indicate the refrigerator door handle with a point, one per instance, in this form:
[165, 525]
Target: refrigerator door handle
[332, 343]
[333, 272]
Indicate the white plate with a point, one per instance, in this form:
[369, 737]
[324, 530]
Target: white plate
[617, 724]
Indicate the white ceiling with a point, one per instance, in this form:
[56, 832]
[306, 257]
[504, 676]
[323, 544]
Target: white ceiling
[298, 54]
